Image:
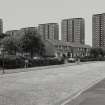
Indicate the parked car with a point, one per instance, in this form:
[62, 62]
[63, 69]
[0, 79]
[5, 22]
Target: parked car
[71, 60]
[36, 58]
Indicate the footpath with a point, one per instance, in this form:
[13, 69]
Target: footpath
[9, 71]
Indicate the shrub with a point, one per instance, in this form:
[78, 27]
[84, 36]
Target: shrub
[90, 58]
[46, 61]
[12, 62]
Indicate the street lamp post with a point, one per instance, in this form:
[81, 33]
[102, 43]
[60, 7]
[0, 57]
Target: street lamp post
[3, 62]
[3, 71]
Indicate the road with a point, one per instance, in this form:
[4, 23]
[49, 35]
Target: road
[92, 96]
[53, 86]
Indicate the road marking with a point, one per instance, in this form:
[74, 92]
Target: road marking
[75, 95]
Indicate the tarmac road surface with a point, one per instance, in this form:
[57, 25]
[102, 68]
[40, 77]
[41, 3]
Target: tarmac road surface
[51, 86]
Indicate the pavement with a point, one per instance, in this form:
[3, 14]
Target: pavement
[51, 86]
[9, 71]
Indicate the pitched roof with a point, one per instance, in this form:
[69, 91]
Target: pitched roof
[59, 42]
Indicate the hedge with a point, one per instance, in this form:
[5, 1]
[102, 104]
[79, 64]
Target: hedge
[12, 62]
[86, 59]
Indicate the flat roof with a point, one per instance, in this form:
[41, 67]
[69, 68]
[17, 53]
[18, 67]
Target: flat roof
[47, 23]
[98, 14]
[73, 18]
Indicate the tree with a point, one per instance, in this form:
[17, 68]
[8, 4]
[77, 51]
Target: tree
[32, 44]
[97, 52]
[9, 44]
[2, 35]
[25, 43]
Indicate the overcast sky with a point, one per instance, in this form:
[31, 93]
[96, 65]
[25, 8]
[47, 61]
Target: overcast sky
[23, 13]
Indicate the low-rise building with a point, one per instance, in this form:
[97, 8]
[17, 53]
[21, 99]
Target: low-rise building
[58, 48]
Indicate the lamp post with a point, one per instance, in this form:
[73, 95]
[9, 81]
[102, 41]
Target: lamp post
[3, 71]
[26, 60]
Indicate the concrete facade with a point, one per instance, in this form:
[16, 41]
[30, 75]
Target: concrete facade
[11, 32]
[1, 26]
[73, 30]
[49, 31]
[22, 31]
[31, 30]
[98, 29]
